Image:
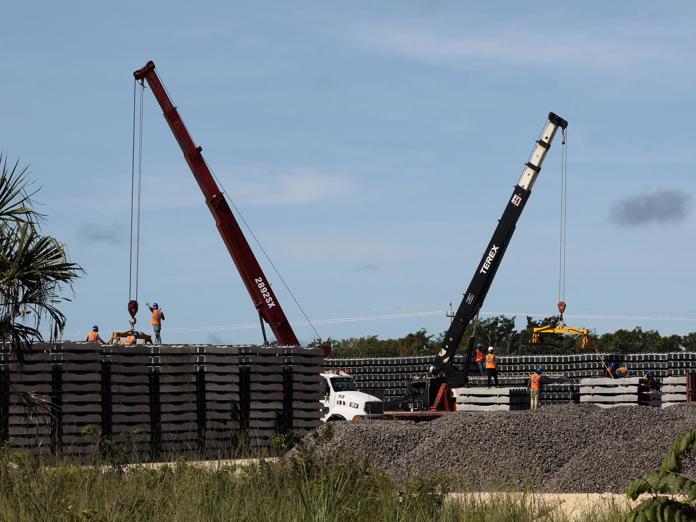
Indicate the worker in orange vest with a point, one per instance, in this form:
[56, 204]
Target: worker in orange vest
[491, 366]
[157, 318]
[94, 337]
[479, 359]
[622, 372]
[535, 388]
[131, 339]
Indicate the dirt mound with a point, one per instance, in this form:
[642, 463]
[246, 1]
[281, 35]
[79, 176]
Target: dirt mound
[570, 448]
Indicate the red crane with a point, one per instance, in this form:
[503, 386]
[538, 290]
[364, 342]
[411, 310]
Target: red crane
[254, 279]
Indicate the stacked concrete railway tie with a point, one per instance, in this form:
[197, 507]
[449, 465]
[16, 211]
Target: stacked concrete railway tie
[491, 399]
[156, 402]
[674, 390]
[130, 412]
[606, 392]
[27, 413]
[388, 377]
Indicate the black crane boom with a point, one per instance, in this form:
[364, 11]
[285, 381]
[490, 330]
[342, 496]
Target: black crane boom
[492, 256]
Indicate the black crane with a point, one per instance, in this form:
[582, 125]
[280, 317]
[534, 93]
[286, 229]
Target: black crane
[487, 268]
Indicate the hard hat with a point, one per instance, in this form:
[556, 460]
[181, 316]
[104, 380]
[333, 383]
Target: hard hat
[155, 305]
[490, 348]
[612, 366]
[479, 345]
[539, 371]
[651, 373]
[95, 328]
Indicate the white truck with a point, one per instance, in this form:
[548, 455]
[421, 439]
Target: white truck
[343, 401]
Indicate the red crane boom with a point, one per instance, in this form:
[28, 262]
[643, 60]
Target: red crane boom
[254, 279]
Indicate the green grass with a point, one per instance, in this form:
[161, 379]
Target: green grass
[301, 488]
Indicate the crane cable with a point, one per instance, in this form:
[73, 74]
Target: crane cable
[136, 191]
[563, 239]
[563, 220]
[268, 258]
[256, 240]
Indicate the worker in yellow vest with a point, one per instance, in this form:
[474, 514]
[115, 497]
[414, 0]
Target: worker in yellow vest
[156, 321]
[535, 388]
[491, 366]
[94, 337]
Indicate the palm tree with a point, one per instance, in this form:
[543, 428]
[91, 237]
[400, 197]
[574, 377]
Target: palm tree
[34, 269]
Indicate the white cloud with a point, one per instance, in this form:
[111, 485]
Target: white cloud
[295, 188]
[250, 187]
[509, 46]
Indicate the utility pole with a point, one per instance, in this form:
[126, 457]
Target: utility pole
[450, 313]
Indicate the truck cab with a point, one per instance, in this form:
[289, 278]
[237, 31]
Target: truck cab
[343, 401]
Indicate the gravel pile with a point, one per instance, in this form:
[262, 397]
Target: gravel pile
[569, 448]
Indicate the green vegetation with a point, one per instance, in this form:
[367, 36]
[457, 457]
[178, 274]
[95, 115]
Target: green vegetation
[34, 268]
[298, 488]
[680, 502]
[500, 331]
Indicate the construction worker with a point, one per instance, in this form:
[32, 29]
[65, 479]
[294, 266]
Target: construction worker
[156, 321]
[491, 366]
[622, 372]
[480, 358]
[535, 388]
[94, 337]
[611, 370]
[648, 381]
[131, 339]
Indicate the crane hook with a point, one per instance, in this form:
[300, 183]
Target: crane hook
[133, 311]
[561, 308]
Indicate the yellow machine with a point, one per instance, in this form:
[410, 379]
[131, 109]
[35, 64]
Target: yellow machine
[562, 329]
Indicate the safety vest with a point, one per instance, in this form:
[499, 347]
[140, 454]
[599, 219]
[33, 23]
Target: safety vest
[92, 337]
[479, 356]
[623, 371]
[130, 340]
[156, 316]
[535, 381]
[490, 361]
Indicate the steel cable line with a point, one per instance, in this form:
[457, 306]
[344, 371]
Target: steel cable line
[563, 219]
[136, 193]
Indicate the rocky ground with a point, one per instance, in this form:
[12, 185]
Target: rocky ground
[570, 448]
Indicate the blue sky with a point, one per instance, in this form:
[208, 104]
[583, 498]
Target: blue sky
[372, 149]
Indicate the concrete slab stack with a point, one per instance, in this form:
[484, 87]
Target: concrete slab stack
[491, 399]
[157, 402]
[178, 398]
[130, 419]
[4, 395]
[608, 393]
[221, 392]
[302, 374]
[282, 395]
[388, 377]
[78, 379]
[30, 402]
[673, 390]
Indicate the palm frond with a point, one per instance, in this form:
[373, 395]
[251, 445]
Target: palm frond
[16, 203]
[34, 268]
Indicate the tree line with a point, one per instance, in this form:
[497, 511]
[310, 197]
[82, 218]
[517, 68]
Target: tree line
[501, 332]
